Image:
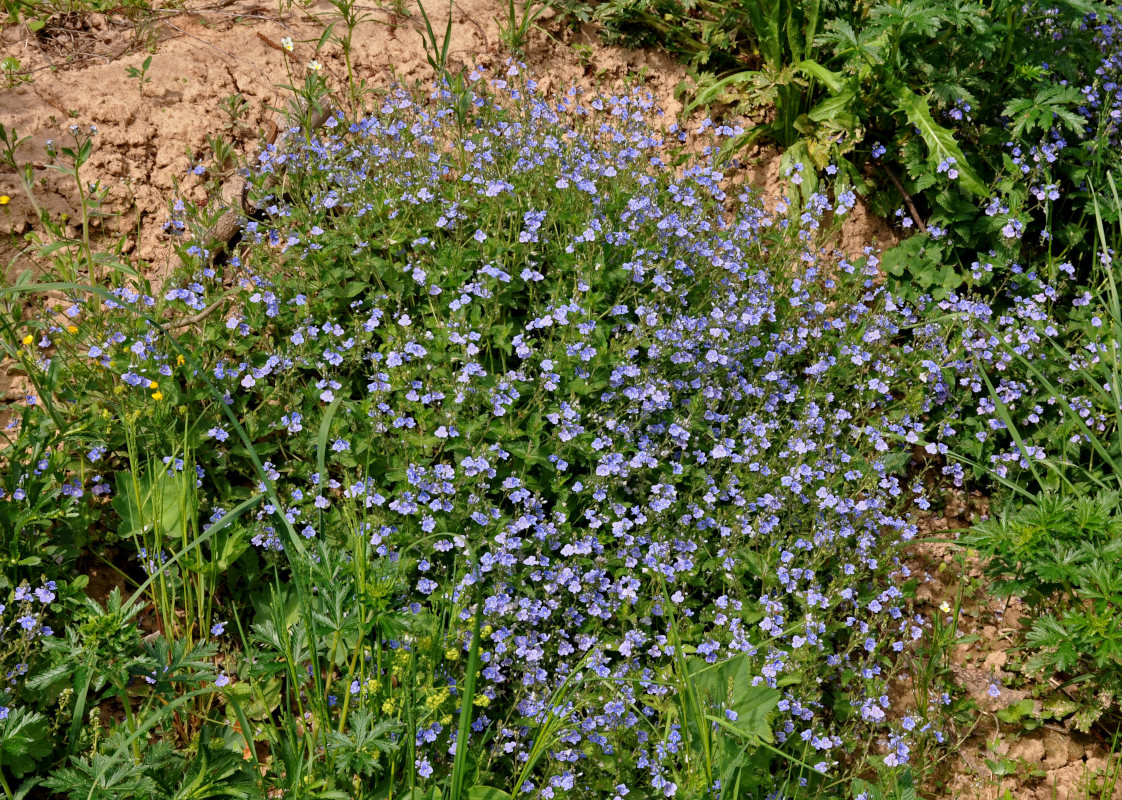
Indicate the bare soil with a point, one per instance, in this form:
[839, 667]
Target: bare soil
[1052, 762]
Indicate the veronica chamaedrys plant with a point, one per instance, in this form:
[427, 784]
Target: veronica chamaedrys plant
[1079, 370]
[572, 267]
[562, 470]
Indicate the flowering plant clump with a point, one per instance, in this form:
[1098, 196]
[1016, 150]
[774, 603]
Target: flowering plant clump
[507, 454]
[986, 136]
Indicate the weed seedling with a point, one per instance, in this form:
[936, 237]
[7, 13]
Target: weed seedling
[340, 31]
[13, 76]
[517, 28]
[236, 108]
[140, 74]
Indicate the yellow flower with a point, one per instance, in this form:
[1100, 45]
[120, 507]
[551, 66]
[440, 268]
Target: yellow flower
[157, 395]
[28, 339]
[387, 707]
[4, 199]
[72, 328]
[452, 654]
[435, 701]
[180, 360]
[482, 700]
[153, 385]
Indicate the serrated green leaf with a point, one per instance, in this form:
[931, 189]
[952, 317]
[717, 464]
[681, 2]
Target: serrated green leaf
[834, 81]
[940, 142]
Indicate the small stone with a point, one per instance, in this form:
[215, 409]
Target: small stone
[995, 661]
[1055, 750]
[1028, 750]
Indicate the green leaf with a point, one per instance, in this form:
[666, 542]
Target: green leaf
[764, 17]
[834, 81]
[752, 704]
[226, 548]
[710, 92]
[1042, 110]
[905, 257]
[486, 793]
[23, 741]
[153, 500]
[1017, 711]
[258, 700]
[837, 108]
[940, 141]
[321, 443]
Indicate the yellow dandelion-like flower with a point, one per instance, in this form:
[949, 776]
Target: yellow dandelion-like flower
[28, 339]
[153, 385]
[157, 395]
[4, 199]
[71, 328]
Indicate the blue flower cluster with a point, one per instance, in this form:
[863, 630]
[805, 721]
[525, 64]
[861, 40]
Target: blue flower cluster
[559, 381]
[638, 411]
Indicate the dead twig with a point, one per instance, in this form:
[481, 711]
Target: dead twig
[270, 42]
[234, 195]
[194, 319]
[916, 218]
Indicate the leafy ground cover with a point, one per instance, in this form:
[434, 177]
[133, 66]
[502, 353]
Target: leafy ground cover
[510, 451]
[1000, 161]
[987, 128]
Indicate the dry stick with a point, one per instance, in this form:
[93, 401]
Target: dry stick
[234, 193]
[907, 199]
[270, 42]
[187, 322]
[234, 196]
